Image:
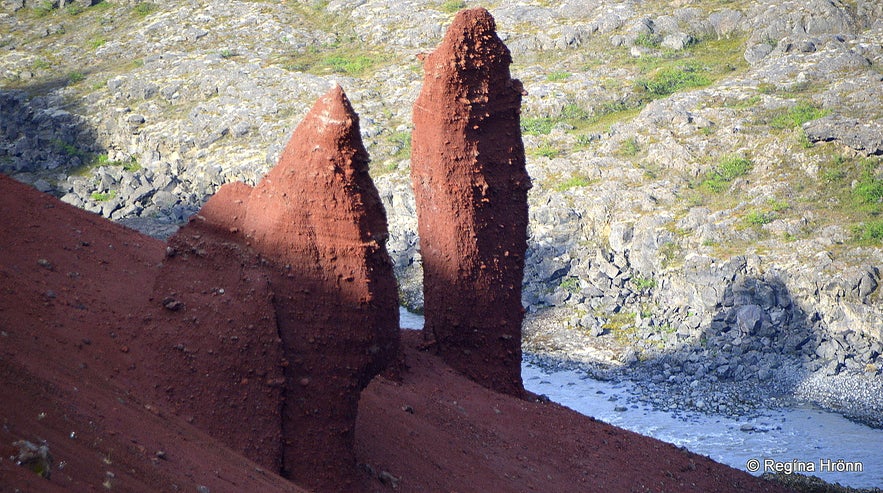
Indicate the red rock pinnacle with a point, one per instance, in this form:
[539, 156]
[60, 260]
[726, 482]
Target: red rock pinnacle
[470, 183]
[318, 214]
[317, 221]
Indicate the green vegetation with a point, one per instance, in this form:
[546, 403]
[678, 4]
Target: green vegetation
[629, 147]
[575, 114]
[67, 149]
[648, 40]
[730, 168]
[870, 232]
[668, 80]
[452, 6]
[672, 254]
[44, 8]
[545, 150]
[573, 182]
[803, 140]
[227, 53]
[583, 141]
[571, 284]
[776, 205]
[130, 165]
[643, 283]
[349, 64]
[571, 115]
[869, 190]
[659, 75]
[96, 42]
[537, 126]
[621, 325]
[611, 113]
[75, 77]
[799, 114]
[402, 141]
[347, 58]
[743, 103]
[835, 172]
[144, 9]
[558, 76]
[758, 218]
[92, 161]
[699, 65]
[851, 192]
[74, 9]
[41, 64]
[103, 196]
[347, 55]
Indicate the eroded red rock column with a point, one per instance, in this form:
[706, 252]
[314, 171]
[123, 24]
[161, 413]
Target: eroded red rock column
[317, 222]
[470, 183]
[318, 214]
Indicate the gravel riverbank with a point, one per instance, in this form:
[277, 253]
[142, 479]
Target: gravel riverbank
[674, 380]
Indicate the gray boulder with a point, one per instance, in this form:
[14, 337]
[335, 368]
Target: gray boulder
[866, 137]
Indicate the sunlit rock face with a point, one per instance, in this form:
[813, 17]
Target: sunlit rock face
[317, 224]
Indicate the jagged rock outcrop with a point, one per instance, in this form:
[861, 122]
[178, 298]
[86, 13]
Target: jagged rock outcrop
[865, 137]
[318, 225]
[470, 184]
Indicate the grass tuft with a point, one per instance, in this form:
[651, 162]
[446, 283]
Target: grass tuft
[797, 115]
[452, 6]
[573, 182]
[669, 80]
[730, 168]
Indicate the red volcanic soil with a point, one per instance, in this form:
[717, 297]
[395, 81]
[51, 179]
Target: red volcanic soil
[77, 363]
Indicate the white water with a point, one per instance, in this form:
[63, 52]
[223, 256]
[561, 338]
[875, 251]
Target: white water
[799, 438]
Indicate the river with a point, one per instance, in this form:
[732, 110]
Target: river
[800, 439]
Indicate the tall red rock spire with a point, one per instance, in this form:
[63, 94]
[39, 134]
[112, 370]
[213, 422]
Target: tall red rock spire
[319, 216]
[317, 223]
[470, 183]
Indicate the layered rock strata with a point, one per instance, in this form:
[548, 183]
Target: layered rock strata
[318, 225]
[470, 184]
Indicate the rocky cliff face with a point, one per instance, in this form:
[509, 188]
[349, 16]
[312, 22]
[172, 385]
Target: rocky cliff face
[309, 259]
[470, 184]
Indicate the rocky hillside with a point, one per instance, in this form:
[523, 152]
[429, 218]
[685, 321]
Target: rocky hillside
[707, 174]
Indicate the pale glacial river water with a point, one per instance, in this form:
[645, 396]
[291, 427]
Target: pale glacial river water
[804, 439]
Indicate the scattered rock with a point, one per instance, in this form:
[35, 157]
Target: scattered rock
[34, 457]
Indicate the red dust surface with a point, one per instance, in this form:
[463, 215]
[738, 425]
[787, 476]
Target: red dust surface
[80, 370]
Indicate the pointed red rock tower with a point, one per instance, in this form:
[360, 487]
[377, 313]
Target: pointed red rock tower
[470, 182]
[317, 223]
[318, 215]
